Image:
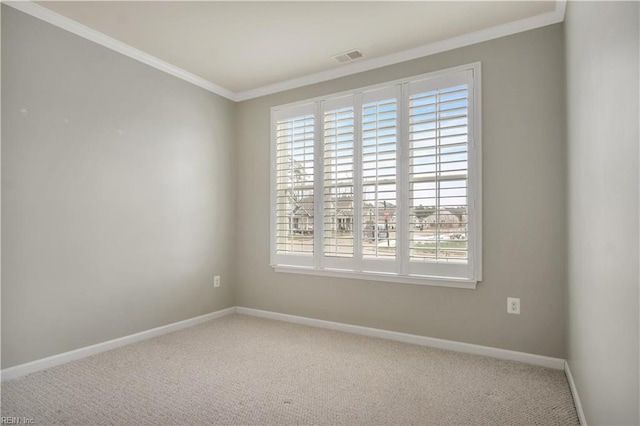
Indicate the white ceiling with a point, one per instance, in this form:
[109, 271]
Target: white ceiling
[256, 47]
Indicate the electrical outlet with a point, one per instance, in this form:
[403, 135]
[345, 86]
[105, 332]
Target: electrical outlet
[216, 281]
[513, 305]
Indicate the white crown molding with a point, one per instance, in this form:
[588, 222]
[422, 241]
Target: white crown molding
[544, 361]
[574, 393]
[47, 15]
[44, 363]
[533, 22]
[81, 30]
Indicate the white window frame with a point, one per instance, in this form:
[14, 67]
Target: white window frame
[400, 270]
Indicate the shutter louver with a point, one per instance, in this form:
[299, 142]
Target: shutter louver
[438, 175]
[294, 185]
[379, 155]
[338, 182]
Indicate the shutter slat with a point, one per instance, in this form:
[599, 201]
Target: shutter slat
[438, 158]
[294, 185]
[338, 161]
[379, 169]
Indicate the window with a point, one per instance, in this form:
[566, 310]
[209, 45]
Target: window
[381, 183]
[294, 198]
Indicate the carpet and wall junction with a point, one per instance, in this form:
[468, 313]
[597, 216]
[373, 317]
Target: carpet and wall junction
[245, 370]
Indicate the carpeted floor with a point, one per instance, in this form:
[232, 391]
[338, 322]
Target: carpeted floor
[246, 370]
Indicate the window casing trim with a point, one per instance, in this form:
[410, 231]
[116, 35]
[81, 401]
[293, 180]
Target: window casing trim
[402, 270]
[379, 276]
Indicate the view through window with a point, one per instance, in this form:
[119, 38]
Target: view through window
[381, 180]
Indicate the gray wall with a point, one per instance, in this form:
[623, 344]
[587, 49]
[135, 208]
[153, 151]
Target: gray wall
[119, 202]
[117, 194]
[602, 93]
[524, 210]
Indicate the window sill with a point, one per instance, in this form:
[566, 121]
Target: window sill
[378, 276]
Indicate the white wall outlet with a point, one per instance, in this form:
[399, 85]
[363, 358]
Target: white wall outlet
[513, 305]
[216, 281]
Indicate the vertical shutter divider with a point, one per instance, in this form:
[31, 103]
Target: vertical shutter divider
[357, 180]
[318, 184]
[403, 216]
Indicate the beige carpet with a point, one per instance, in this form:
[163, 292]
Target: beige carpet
[245, 370]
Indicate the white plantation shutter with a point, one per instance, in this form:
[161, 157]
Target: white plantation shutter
[379, 179]
[338, 182]
[294, 185]
[381, 183]
[439, 209]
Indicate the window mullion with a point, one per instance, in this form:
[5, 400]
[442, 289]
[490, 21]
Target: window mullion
[402, 216]
[438, 174]
[357, 183]
[318, 187]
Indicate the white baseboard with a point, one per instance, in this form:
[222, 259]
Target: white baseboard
[544, 361]
[52, 361]
[574, 393]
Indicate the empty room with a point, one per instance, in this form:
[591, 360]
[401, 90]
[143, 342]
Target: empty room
[320, 212]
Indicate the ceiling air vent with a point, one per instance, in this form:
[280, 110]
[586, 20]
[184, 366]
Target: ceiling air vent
[348, 56]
